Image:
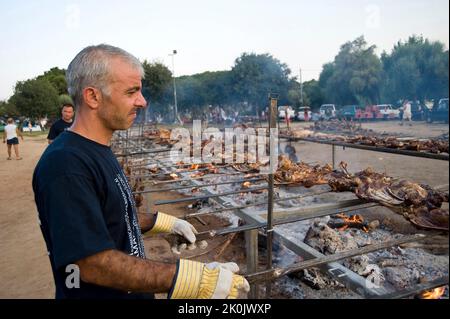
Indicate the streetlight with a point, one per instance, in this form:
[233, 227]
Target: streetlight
[174, 85]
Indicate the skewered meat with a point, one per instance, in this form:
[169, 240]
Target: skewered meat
[411, 193]
[367, 137]
[434, 219]
[300, 173]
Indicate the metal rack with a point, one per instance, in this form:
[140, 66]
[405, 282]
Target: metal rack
[255, 222]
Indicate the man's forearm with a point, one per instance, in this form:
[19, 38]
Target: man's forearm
[145, 218]
[118, 270]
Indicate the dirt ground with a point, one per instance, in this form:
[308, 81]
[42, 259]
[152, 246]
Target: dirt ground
[25, 268]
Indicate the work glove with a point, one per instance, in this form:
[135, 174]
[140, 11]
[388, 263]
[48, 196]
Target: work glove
[169, 224]
[196, 280]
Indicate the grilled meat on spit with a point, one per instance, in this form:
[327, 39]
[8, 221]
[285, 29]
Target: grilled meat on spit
[421, 202]
[300, 173]
[436, 218]
[342, 181]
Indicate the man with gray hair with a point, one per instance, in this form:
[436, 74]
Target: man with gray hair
[87, 213]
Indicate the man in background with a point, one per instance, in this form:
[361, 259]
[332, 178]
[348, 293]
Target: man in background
[62, 124]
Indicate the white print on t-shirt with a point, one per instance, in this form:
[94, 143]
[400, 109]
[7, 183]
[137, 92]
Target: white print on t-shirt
[136, 244]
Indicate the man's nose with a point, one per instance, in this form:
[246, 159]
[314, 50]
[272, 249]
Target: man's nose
[141, 102]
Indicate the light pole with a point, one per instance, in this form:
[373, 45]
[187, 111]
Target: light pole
[301, 88]
[174, 85]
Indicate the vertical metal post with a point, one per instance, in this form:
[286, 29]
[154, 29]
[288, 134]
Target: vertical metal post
[272, 125]
[174, 86]
[333, 155]
[301, 88]
[251, 247]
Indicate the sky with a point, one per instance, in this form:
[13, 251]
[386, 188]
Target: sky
[208, 35]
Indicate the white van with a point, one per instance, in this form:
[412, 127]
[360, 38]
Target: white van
[327, 111]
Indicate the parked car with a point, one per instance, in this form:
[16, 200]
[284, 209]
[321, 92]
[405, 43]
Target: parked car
[388, 111]
[301, 113]
[439, 113]
[348, 112]
[327, 111]
[286, 108]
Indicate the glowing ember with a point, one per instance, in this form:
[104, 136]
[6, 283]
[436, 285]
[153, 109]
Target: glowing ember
[433, 294]
[246, 185]
[352, 221]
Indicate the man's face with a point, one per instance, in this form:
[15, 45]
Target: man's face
[67, 113]
[118, 110]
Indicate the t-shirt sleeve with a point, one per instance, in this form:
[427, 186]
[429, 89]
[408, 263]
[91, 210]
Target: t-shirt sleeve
[52, 133]
[75, 220]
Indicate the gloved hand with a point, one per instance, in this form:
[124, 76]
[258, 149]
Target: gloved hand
[169, 224]
[196, 280]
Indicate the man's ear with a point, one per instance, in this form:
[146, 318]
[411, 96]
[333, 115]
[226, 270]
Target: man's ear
[92, 97]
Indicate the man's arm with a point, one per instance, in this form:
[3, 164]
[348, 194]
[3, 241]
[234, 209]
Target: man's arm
[117, 270]
[146, 221]
[145, 218]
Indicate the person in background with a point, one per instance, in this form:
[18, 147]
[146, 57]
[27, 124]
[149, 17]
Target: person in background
[407, 114]
[10, 137]
[67, 113]
[306, 115]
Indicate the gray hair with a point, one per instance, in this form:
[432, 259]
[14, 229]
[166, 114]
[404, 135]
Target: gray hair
[91, 67]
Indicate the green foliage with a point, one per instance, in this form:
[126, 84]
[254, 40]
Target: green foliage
[57, 78]
[64, 99]
[8, 109]
[208, 88]
[157, 82]
[35, 98]
[354, 75]
[257, 75]
[312, 94]
[416, 69]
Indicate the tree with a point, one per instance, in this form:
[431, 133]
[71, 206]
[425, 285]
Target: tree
[416, 69]
[156, 83]
[36, 98]
[354, 75]
[257, 75]
[8, 109]
[57, 78]
[313, 95]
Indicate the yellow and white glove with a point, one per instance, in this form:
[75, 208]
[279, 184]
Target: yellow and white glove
[169, 224]
[196, 280]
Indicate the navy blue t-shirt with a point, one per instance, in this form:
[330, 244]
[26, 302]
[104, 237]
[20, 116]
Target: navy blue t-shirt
[57, 128]
[85, 206]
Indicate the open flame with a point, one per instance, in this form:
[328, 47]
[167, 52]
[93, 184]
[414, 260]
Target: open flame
[433, 294]
[246, 185]
[174, 176]
[351, 220]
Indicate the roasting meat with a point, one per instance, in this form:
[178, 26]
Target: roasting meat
[436, 218]
[290, 173]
